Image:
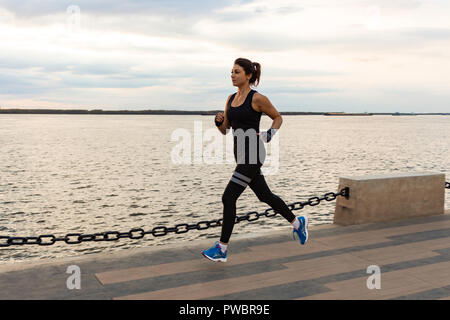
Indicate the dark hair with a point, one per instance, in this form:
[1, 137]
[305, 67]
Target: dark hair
[253, 68]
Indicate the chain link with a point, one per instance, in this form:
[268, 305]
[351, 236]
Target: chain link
[139, 233]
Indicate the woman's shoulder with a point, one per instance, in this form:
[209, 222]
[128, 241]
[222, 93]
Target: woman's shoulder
[228, 100]
[258, 97]
[231, 95]
[259, 100]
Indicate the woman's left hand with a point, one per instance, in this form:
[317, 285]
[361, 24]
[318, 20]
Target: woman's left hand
[266, 136]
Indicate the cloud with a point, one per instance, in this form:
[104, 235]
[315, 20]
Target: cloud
[397, 4]
[23, 83]
[427, 33]
[297, 90]
[29, 8]
[179, 53]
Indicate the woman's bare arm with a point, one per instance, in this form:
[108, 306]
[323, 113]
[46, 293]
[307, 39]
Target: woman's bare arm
[223, 116]
[263, 104]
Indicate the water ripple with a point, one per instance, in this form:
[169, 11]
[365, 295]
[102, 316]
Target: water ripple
[53, 174]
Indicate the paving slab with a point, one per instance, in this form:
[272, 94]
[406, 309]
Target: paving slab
[413, 256]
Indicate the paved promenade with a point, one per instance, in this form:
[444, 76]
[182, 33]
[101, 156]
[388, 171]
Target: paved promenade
[413, 256]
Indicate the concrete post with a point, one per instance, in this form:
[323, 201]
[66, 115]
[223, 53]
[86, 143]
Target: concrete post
[390, 197]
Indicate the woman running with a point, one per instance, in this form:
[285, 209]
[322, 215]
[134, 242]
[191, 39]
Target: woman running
[243, 111]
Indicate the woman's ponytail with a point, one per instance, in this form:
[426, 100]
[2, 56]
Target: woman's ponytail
[253, 68]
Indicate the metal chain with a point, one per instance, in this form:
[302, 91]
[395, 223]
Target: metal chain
[139, 233]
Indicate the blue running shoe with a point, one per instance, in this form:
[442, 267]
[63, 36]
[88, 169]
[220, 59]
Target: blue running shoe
[215, 253]
[302, 232]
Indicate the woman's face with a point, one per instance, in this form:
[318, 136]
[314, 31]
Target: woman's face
[238, 76]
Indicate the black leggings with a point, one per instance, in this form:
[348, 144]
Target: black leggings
[248, 174]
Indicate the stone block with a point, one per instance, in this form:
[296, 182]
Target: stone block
[390, 197]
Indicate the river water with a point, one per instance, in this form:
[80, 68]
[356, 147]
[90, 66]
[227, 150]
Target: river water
[93, 173]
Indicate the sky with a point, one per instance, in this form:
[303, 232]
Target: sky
[316, 55]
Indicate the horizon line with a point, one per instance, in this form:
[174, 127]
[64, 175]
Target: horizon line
[47, 110]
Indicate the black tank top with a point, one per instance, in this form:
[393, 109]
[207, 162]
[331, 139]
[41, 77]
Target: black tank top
[246, 118]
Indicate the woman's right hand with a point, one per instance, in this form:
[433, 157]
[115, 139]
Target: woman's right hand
[219, 119]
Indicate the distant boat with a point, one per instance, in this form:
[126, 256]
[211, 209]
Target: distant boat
[404, 114]
[347, 114]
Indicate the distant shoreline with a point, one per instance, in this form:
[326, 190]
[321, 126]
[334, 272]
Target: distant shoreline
[182, 112]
